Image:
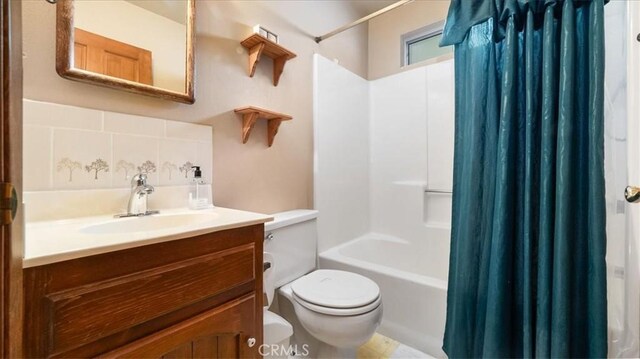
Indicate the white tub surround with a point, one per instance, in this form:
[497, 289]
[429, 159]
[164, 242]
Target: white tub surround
[384, 159]
[55, 241]
[412, 151]
[341, 153]
[383, 152]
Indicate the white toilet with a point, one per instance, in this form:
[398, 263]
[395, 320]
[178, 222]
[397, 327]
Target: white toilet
[341, 310]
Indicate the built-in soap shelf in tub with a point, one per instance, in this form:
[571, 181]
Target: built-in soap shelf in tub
[436, 203]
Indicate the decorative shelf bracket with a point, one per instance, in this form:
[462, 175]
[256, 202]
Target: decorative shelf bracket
[257, 46]
[254, 57]
[248, 121]
[278, 68]
[251, 114]
[272, 130]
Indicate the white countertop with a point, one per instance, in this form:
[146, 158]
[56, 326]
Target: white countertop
[56, 241]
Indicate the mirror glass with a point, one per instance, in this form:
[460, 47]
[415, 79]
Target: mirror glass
[142, 41]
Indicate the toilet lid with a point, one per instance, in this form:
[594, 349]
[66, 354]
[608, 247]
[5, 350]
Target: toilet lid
[336, 289]
[340, 312]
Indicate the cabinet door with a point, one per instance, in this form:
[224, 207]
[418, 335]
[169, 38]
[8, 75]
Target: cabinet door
[223, 346]
[212, 346]
[223, 332]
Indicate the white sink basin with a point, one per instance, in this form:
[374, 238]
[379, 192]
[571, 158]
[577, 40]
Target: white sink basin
[149, 223]
[60, 240]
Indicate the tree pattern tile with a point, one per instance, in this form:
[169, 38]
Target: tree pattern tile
[126, 167]
[169, 168]
[97, 166]
[147, 167]
[69, 165]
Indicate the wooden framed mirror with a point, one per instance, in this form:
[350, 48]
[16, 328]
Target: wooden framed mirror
[140, 46]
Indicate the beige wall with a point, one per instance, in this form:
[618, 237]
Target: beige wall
[251, 176]
[386, 30]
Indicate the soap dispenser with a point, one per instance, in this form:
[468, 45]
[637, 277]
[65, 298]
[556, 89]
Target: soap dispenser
[199, 193]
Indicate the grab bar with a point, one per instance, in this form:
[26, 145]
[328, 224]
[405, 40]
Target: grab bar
[427, 190]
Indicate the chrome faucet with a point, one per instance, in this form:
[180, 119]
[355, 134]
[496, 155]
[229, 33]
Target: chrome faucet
[138, 199]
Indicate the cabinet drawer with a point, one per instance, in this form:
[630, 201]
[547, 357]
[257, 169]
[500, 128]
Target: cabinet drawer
[122, 302]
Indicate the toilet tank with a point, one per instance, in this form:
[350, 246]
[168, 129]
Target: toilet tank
[292, 240]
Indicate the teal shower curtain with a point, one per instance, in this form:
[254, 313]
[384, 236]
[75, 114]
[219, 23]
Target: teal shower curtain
[527, 268]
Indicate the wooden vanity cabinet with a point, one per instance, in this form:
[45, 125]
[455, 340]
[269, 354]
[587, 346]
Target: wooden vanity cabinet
[198, 297]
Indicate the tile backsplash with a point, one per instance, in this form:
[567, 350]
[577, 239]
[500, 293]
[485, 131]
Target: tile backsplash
[73, 148]
[79, 162]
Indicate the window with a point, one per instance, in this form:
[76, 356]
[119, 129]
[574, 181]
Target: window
[422, 44]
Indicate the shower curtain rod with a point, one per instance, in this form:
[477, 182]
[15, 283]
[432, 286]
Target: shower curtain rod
[360, 21]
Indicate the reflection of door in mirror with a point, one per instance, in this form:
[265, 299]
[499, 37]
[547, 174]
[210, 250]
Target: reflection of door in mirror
[109, 57]
[128, 26]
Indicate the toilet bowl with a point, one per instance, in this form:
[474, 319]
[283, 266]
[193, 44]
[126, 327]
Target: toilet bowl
[332, 312]
[340, 309]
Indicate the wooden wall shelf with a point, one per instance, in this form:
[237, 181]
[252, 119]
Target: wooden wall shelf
[258, 46]
[251, 114]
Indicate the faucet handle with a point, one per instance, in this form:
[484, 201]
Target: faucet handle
[139, 180]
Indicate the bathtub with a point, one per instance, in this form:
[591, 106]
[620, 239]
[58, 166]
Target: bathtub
[412, 276]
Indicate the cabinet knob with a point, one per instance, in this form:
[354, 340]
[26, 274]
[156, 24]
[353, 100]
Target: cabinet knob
[269, 237]
[251, 342]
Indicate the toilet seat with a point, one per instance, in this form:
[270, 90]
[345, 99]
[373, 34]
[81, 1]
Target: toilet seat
[339, 312]
[336, 292]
